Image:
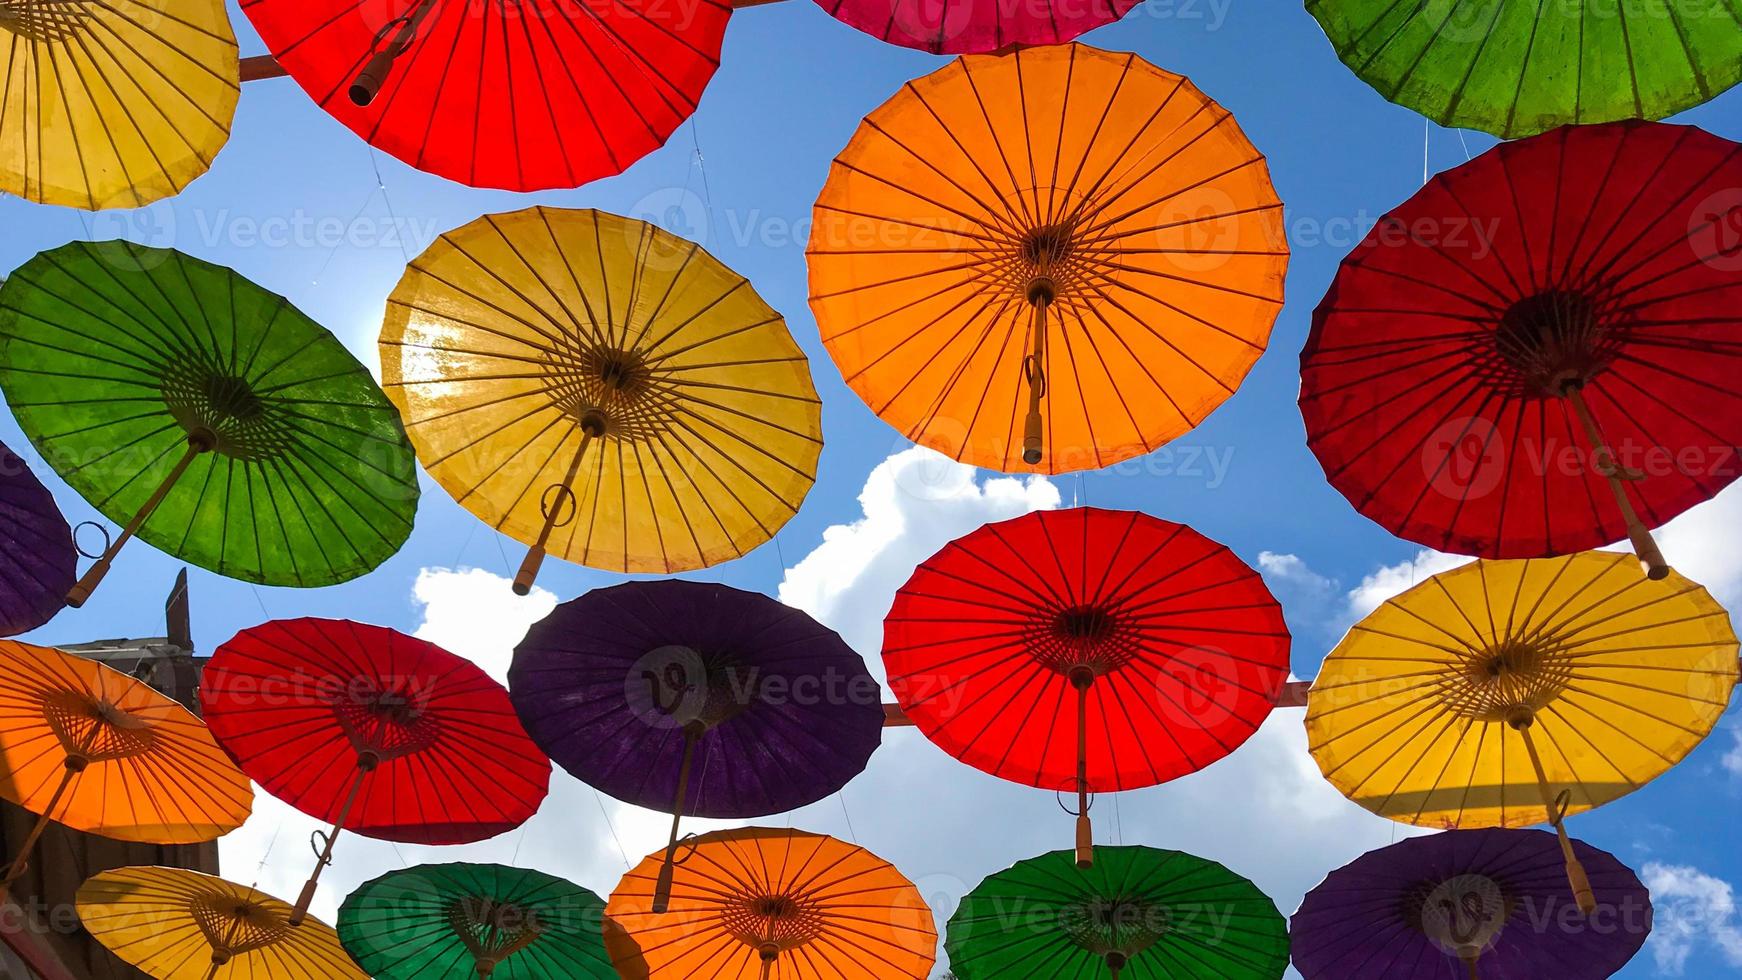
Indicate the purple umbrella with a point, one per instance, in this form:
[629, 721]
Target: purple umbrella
[37, 560]
[696, 699]
[1488, 904]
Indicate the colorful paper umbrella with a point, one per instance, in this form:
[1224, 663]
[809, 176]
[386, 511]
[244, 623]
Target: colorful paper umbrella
[1516, 69]
[696, 699]
[1139, 914]
[602, 390]
[116, 104]
[92, 748]
[1086, 651]
[175, 924]
[524, 96]
[760, 904]
[975, 26]
[1535, 355]
[217, 421]
[1509, 693]
[373, 731]
[1060, 258]
[38, 561]
[1489, 899]
[454, 921]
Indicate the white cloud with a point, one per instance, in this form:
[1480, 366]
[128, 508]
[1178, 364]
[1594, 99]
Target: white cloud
[1701, 544]
[913, 503]
[1690, 909]
[1393, 580]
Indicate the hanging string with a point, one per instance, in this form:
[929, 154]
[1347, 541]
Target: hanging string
[1466, 145]
[852, 835]
[1426, 129]
[387, 199]
[612, 827]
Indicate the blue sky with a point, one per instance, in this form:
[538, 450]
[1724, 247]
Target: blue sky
[295, 203]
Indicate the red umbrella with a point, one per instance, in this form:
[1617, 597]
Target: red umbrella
[976, 26]
[524, 96]
[1537, 354]
[1086, 651]
[373, 731]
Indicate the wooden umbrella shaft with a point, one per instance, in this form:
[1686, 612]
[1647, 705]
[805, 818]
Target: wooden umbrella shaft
[535, 555]
[374, 73]
[307, 897]
[1034, 426]
[1644, 545]
[667, 869]
[198, 442]
[21, 860]
[1085, 826]
[1576, 876]
[1470, 965]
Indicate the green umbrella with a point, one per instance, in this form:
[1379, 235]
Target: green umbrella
[1519, 67]
[454, 921]
[1138, 914]
[214, 419]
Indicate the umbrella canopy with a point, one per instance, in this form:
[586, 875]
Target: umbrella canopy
[1139, 914]
[463, 921]
[526, 96]
[224, 426]
[101, 752]
[1490, 899]
[975, 26]
[1516, 69]
[1086, 651]
[1058, 258]
[38, 561]
[175, 924]
[1534, 355]
[696, 699]
[128, 100]
[1509, 693]
[376, 732]
[602, 390]
[760, 904]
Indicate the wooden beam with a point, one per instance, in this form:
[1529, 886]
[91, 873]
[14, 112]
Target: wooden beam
[29, 947]
[1294, 695]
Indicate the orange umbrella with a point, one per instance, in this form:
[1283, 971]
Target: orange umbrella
[1060, 256]
[760, 904]
[101, 752]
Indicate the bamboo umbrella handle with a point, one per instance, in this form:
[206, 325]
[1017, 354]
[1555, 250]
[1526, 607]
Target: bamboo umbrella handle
[300, 912]
[662, 888]
[1644, 545]
[1116, 964]
[1034, 426]
[1470, 967]
[1577, 879]
[592, 427]
[21, 861]
[1082, 678]
[199, 441]
[374, 74]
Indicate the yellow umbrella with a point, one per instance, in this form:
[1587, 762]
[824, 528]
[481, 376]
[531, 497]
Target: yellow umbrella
[175, 924]
[1510, 693]
[602, 390]
[114, 104]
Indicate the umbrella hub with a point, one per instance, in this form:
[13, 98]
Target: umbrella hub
[610, 387]
[493, 930]
[685, 687]
[94, 729]
[1115, 927]
[1463, 914]
[1513, 677]
[774, 924]
[385, 722]
[234, 926]
[46, 21]
[1043, 254]
[1551, 339]
[225, 411]
[1078, 641]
